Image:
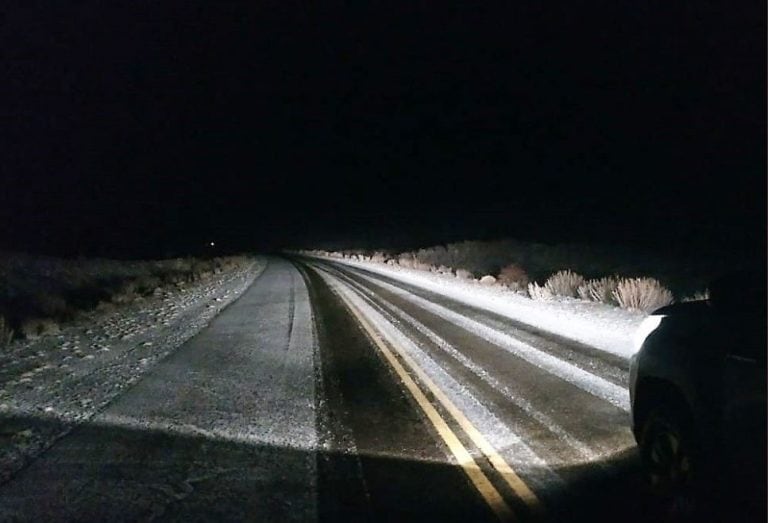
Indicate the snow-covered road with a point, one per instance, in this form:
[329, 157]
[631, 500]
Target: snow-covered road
[329, 392]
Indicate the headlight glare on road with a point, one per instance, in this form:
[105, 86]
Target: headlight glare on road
[645, 329]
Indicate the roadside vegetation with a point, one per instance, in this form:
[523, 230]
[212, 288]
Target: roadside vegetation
[40, 294]
[603, 274]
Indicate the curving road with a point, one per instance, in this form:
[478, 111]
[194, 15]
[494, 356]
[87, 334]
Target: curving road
[331, 393]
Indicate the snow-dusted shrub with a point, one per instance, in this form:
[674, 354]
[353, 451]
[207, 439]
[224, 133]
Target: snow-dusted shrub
[6, 332]
[441, 269]
[36, 327]
[564, 283]
[378, 257]
[538, 292]
[513, 276]
[488, 280]
[421, 266]
[600, 290]
[406, 260]
[463, 274]
[644, 294]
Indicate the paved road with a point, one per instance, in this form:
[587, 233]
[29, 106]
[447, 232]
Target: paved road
[327, 393]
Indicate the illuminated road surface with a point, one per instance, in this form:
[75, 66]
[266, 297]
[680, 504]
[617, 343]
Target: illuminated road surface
[328, 393]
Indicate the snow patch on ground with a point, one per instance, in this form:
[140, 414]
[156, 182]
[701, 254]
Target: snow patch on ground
[50, 384]
[607, 328]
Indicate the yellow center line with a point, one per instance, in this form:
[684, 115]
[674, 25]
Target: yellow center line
[518, 486]
[481, 482]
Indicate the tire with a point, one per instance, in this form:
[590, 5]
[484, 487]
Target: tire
[673, 463]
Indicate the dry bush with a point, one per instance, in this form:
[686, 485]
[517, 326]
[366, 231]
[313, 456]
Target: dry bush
[105, 307]
[406, 260]
[644, 294]
[600, 290]
[172, 278]
[698, 296]
[127, 293]
[538, 292]
[36, 327]
[146, 285]
[488, 280]
[421, 266]
[234, 262]
[463, 274]
[6, 332]
[564, 283]
[378, 257]
[182, 265]
[201, 270]
[513, 276]
[204, 275]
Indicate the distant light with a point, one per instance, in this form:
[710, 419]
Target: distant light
[649, 324]
[212, 244]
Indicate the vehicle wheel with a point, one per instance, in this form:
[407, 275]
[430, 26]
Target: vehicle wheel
[672, 462]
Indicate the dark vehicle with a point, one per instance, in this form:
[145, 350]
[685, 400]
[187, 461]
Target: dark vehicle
[698, 392]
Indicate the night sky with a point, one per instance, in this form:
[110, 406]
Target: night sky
[146, 128]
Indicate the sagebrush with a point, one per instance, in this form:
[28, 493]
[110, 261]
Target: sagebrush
[599, 290]
[564, 283]
[643, 294]
[539, 292]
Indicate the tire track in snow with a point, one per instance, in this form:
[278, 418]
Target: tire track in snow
[588, 382]
[514, 449]
[584, 451]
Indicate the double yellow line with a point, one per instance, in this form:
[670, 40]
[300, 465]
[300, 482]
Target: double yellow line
[471, 468]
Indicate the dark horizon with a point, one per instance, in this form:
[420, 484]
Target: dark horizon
[150, 130]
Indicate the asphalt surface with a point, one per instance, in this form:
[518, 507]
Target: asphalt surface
[329, 393]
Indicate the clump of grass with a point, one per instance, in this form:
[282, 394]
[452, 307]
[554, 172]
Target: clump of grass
[599, 290]
[539, 292]
[643, 294]
[564, 283]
